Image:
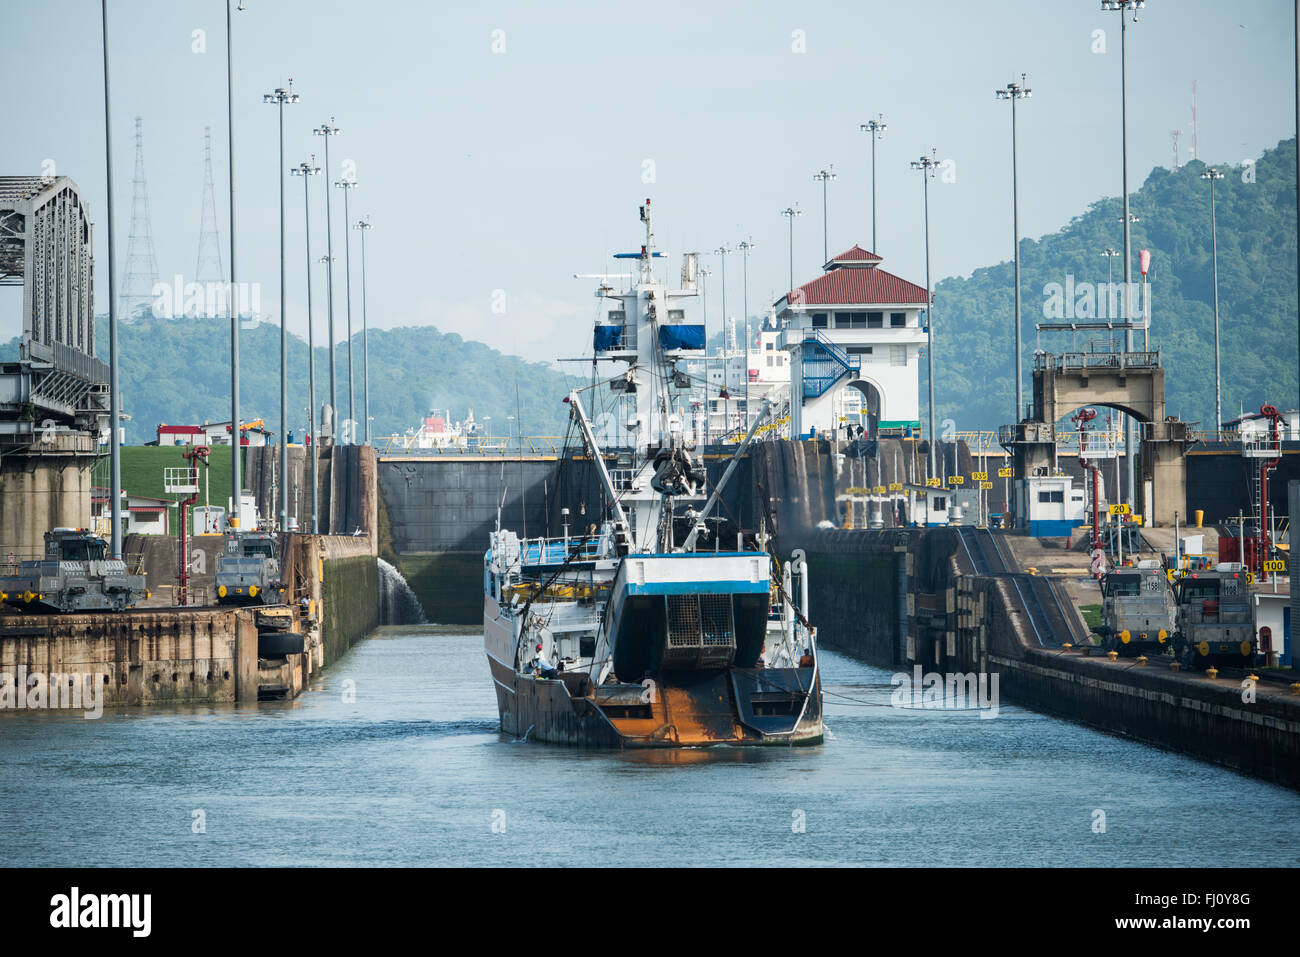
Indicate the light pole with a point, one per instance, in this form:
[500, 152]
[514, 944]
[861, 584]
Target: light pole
[1016, 91]
[328, 262]
[279, 98]
[876, 128]
[705, 273]
[305, 170]
[329, 130]
[236, 433]
[825, 176]
[790, 212]
[1212, 174]
[1110, 255]
[745, 246]
[347, 185]
[1127, 220]
[927, 164]
[114, 409]
[365, 226]
[1125, 7]
[726, 359]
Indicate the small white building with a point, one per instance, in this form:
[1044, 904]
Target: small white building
[854, 336]
[934, 507]
[1273, 612]
[211, 433]
[249, 520]
[1252, 425]
[147, 515]
[1050, 505]
[141, 514]
[207, 520]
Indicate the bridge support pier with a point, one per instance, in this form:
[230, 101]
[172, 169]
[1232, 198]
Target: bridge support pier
[38, 493]
[1164, 471]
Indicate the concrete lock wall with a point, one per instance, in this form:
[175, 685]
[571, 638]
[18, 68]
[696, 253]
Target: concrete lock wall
[203, 655]
[349, 590]
[1219, 480]
[37, 495]
[1207, 719]
[345, 481]
[439, 510]
[869, 586]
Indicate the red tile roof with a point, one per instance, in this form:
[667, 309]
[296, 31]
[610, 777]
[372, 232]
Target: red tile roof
[856, 255]
[857, 287]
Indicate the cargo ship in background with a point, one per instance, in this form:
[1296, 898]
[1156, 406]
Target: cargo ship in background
[644, 630]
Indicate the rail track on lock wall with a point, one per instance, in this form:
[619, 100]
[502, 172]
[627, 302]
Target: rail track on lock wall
[1037, 598]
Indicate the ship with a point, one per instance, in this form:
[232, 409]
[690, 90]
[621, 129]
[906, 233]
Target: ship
[644, 629]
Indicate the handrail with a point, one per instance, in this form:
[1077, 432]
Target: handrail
[838, 354]
[1068, 361]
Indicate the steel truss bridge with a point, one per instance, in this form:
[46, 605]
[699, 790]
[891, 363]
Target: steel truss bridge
[54, 399]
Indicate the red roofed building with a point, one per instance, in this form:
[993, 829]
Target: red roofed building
[855, 336]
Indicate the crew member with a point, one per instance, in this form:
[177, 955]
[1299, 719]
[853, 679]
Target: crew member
[543, 667]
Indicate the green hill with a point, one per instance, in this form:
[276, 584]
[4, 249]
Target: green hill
[1257, 294]
[178, 371]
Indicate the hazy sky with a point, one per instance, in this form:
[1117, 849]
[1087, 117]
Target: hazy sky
[510, 171]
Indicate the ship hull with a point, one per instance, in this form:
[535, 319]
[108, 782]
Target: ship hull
[733, 707]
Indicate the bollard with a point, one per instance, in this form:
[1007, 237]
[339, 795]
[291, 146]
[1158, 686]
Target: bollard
[1295, 688]
[1176, 666]
[1067, 646]
[1141, 659]
[1113, 655]
[1211, 672]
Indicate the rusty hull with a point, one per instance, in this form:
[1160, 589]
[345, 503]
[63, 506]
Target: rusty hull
[733, 707]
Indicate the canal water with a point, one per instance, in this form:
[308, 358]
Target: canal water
[393, 757]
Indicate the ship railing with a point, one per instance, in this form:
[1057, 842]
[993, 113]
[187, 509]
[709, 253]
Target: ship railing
[552, 551]
[473, 444]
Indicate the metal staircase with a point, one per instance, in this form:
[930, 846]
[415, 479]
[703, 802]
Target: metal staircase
[824, 364]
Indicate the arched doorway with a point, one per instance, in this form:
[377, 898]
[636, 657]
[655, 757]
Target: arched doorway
[864, 398]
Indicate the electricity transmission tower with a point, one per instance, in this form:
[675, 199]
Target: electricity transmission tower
[208, 266]
[141, 264]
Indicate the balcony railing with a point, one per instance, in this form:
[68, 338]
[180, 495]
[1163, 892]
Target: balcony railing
[1095, 361]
